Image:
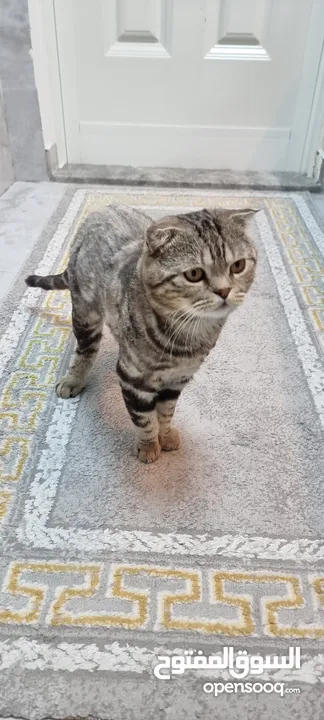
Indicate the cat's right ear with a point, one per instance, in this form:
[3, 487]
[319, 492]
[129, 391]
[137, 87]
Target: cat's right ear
[158, 236]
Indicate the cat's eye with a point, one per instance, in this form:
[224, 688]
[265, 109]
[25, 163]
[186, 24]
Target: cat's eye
[194, 275]
[237, 267]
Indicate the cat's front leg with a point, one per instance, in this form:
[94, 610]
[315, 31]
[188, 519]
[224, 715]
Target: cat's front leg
[168, 435]
[141, 406]
[147, 429]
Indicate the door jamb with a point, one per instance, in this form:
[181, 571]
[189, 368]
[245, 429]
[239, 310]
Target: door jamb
[309, 113]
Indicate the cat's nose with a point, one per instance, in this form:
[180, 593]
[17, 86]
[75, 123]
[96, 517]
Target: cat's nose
[224, 292]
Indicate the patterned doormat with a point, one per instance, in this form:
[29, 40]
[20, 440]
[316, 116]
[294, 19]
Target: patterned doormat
[106, 564]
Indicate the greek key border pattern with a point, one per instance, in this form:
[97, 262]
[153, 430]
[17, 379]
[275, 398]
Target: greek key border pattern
[261, 604]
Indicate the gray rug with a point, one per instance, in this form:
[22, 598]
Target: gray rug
[107, 564]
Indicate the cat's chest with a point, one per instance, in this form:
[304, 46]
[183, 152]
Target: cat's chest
[175, 376]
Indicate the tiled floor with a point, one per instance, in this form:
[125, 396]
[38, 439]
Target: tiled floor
[24, 212]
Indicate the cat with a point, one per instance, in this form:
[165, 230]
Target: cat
[165, 289]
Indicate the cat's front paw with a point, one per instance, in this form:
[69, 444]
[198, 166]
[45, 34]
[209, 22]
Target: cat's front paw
[170, 441]
[149, 452]
[68, 387]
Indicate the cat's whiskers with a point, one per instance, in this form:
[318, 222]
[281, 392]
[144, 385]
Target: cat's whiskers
[187, 320]
[200, 328]
[190, 327]
[193, 331]
[185, 315]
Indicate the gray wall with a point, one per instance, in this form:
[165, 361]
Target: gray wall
[6, 169]
[19, 94]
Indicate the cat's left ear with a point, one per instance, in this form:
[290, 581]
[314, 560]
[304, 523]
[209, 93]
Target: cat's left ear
[158, 235]
[243, 216]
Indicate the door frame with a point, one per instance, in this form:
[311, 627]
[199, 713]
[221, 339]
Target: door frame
[309, 115]
[45, 56]
[46, 18]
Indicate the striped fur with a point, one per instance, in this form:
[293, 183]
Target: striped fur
[129, 272]
[50, 282]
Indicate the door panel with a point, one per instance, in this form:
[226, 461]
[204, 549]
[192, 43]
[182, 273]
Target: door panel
[137, 28]
[241, 29]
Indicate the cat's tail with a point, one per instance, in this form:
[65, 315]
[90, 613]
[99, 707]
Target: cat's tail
[49, 282]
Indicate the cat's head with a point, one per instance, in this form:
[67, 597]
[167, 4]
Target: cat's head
[202, 262]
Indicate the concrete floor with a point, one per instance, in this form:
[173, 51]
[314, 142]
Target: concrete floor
[24, 211]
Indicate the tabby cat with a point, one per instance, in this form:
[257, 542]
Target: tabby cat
[165, 289]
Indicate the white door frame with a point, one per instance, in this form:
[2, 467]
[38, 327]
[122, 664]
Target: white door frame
[315, 134]
[309, 115]
[47, 16]
[47, 76]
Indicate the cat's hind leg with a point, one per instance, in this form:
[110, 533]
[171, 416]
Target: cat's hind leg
[87, 326]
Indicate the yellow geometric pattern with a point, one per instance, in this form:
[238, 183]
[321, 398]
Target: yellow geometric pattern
[5, 498]
[25, 394]
[304, 259]
[255, 599]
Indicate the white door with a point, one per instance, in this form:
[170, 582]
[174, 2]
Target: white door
[191, 83]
